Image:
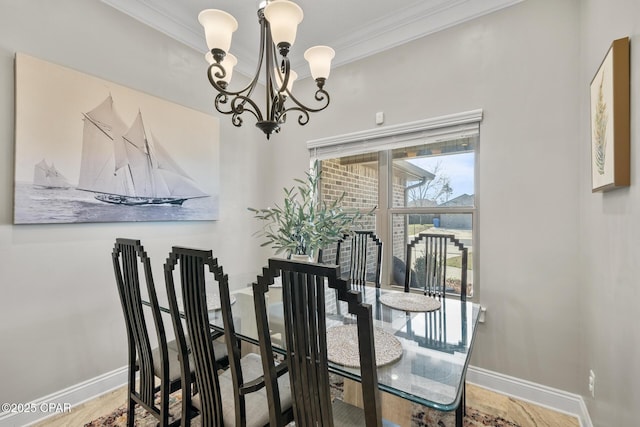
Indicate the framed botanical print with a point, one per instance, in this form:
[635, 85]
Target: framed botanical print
[610, 120]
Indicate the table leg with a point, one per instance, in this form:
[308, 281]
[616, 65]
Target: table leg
[461, 410]
[459, 416]
[464, 398]
[394, 409]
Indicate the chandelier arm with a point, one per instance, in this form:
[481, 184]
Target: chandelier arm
[237, 106]
[274, 72]
[220, 101]
[320, 96]
[224, 91]
[220, 74]
[221, 98]
[285, 70]
[251, 86]
[303, 118]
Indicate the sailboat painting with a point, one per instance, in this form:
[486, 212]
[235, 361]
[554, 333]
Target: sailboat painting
[126, 156]
[125, 166]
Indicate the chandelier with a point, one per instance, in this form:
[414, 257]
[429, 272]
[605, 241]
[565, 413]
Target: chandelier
[278, 21]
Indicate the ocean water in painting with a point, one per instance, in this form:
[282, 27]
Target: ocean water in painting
[37, 205]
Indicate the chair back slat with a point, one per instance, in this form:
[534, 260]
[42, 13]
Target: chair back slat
[193, 265]
[307, 355]
[363, 262]
[426, 265]
[303, 294]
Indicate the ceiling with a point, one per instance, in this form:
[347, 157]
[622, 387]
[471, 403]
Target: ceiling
[355, 29]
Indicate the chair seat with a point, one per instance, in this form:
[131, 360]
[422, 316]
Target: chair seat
[257, 403]
[174, 363]
[346, 415]
[219, 348]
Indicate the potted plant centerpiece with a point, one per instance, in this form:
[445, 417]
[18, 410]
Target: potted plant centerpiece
[303, 225]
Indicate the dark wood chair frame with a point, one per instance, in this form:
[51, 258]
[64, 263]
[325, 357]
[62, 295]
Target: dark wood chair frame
[435, 263]
[358, 256]
[435, 286]
[127, 255]
[192, 264]
[303, 287]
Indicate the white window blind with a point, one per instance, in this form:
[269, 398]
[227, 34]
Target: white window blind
[443, 128]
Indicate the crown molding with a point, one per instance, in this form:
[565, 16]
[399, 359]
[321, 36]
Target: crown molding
[417, 19]
[413, 22]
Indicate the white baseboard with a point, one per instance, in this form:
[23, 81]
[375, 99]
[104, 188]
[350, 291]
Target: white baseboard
[558, 400]
[72, 396]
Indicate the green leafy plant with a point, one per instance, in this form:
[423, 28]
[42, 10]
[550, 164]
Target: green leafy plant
[302, 225]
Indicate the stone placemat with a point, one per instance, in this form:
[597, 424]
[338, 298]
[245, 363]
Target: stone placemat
[342, 346]
[410, 302]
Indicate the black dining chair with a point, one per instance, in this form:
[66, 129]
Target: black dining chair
[237, 396]
[303, 294]
[131, 264]
[426, 270]
[426, 266]
[359, 256]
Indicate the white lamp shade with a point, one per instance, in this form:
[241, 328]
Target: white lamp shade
[218, 28]
[280, 77]
[319, 58]
[284, 17]
[227, 63]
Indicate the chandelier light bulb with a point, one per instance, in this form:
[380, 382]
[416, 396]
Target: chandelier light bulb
[319, 59]
[284, 17]
[218, 28]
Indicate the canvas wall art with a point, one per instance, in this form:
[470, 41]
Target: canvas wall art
[610, 120]
[89, 150]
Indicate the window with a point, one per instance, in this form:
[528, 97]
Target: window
[419, 177]
[434, 192]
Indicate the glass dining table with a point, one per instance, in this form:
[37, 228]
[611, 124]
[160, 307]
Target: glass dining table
[436, 345]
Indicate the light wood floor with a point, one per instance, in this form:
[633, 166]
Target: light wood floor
[523, 413]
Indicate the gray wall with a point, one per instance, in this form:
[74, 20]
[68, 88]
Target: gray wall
[519, 65]
[609, 235]
[60, 317]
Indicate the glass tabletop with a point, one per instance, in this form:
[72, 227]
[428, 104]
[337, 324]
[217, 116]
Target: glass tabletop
[436, 345]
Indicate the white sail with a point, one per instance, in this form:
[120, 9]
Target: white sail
[103, 155]
[177, 182]
[126, 166]
[139, 159]
[48, 176]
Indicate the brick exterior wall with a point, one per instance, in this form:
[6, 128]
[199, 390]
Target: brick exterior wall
[359, 183]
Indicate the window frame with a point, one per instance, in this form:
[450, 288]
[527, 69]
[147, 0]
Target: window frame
[384, 140]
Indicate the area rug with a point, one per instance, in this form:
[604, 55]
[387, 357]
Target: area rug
[421, 416]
